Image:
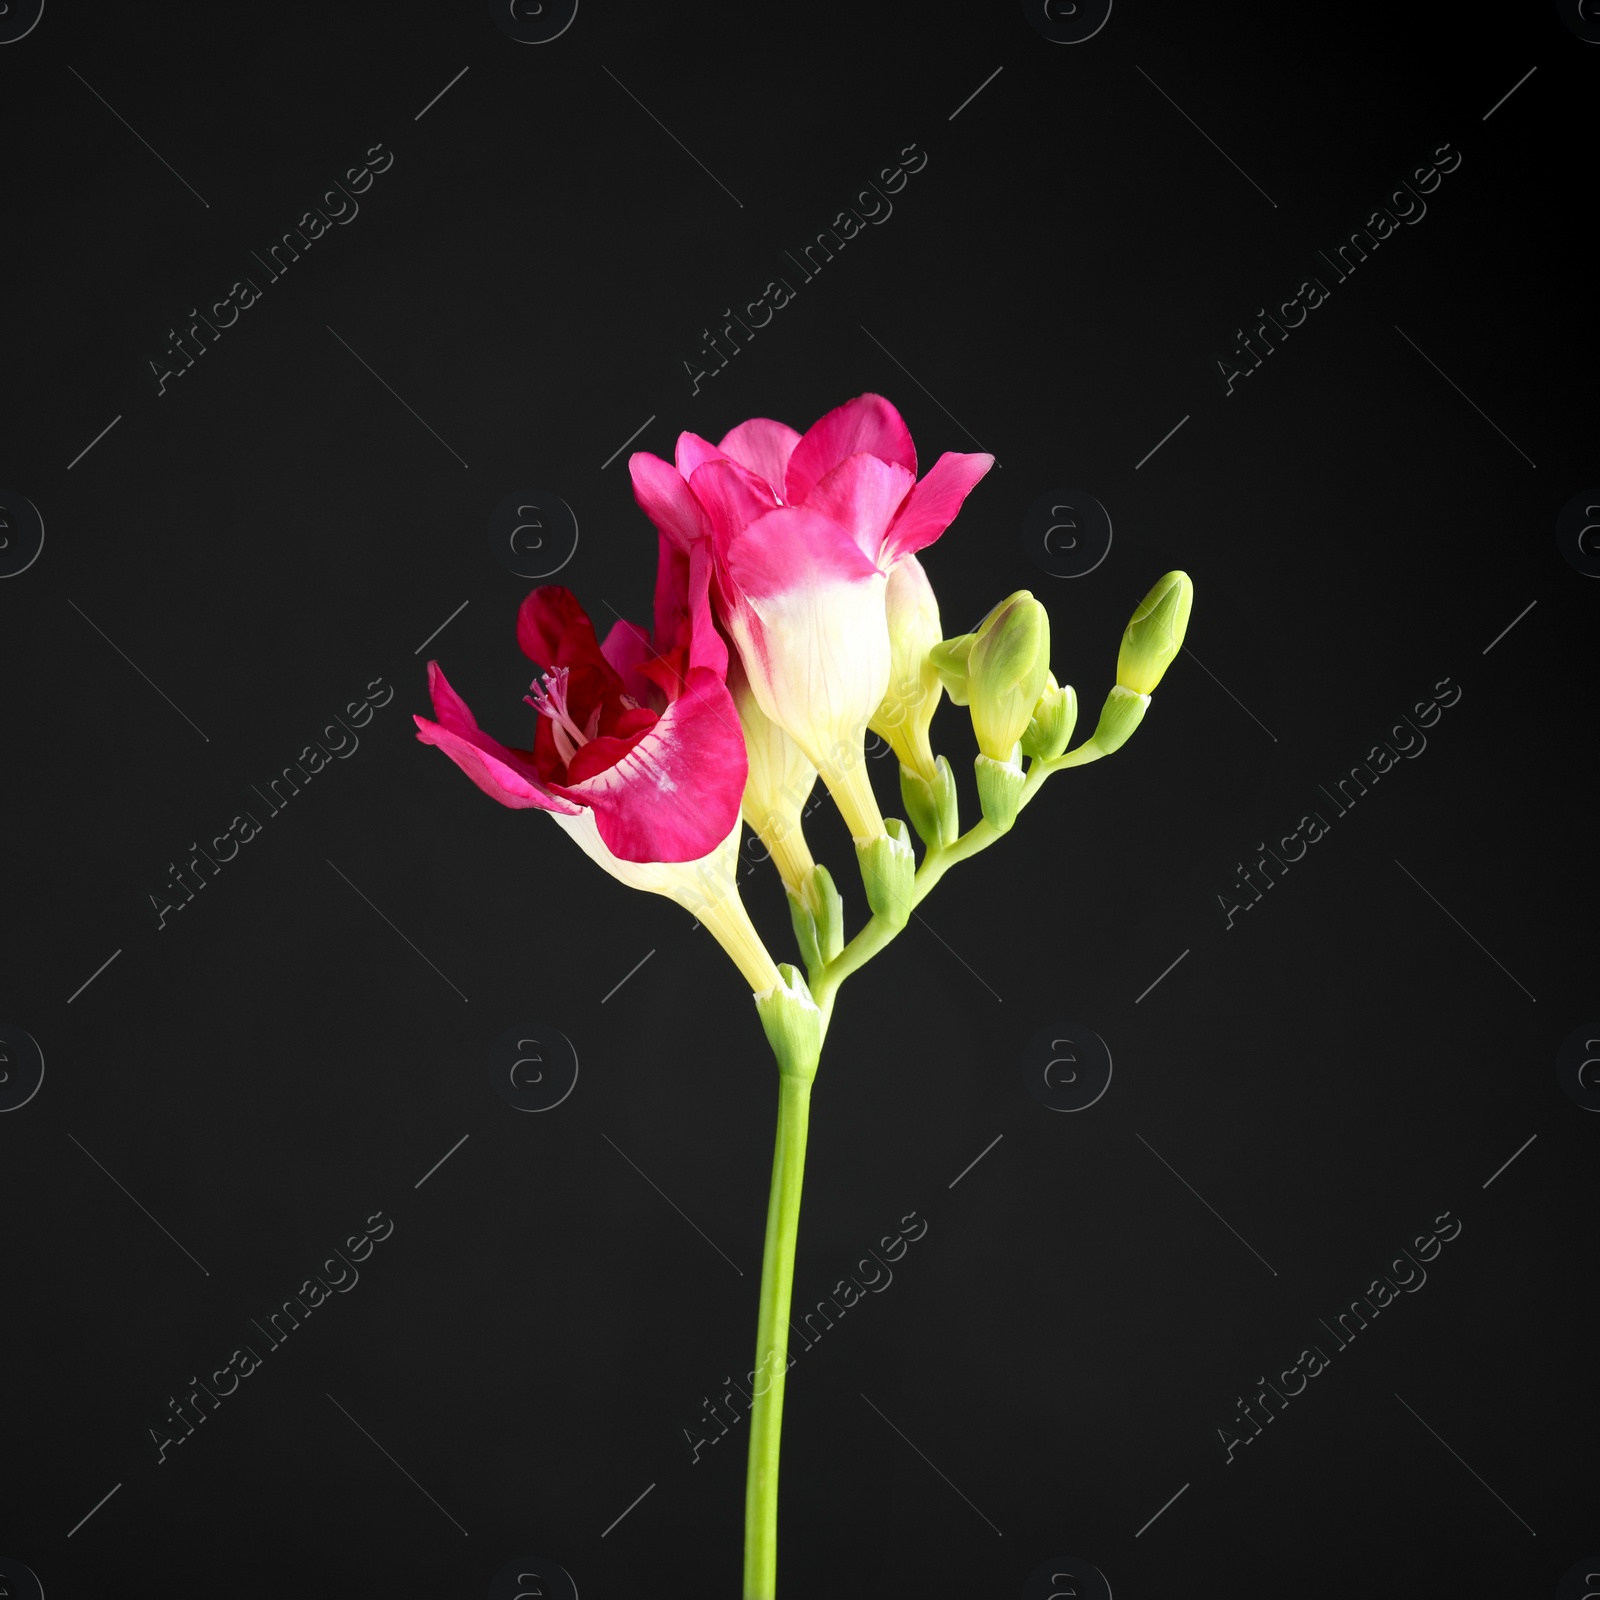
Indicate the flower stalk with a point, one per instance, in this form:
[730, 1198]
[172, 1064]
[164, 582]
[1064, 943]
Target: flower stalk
[772, 1337]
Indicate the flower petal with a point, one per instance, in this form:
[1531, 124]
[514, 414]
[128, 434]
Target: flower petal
[664, 497]
[623, 725]
[931, 507]
[627, 647]
[862, 494]
[764, 446]
[451, 710]
[685, 636]
[508, 776]
[866, 423]
[675, 794]
[672, 593]
[809, 621]
[707, 647]
[554, 630]
[692, 451]
[733, 496]
[794, 548]
[668, 671]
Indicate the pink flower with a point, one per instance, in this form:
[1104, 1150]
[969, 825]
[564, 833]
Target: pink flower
[638, 752]
[805, 530]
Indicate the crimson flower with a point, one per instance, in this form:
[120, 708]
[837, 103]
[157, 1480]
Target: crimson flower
[638, 751]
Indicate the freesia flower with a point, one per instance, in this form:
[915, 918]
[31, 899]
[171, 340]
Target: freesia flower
[638, 752]
[806, 531]
[791, 614]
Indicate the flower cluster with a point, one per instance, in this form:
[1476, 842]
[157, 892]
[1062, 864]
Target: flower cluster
[791, 615]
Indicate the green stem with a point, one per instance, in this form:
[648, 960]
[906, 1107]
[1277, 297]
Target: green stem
[772, 1339]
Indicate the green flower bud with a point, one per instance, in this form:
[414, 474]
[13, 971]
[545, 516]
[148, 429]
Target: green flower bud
[949, 658]
[1054, 718]
[888, 869]
[1123, 712]
[1000, 786]
[921, 807]
[805, 933]
[932, 806]
[1152, 638]
[1006, 671]
[999, 606]
[817, 912]
[827, 906]
[792, 1022]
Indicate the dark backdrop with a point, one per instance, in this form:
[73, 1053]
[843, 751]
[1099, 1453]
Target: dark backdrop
[521, 299]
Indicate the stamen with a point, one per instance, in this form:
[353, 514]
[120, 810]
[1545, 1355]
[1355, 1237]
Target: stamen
[549, 698]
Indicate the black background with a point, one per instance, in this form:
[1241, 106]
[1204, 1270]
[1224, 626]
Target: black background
[279, 1061]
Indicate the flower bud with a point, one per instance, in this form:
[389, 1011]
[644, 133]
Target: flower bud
[888, 872]
[1054, 718]
[1123, 712]
[792, 1022]
[827, 907]
[1152, 638]
[908, 706]
[1006, 671]
[949, 659]
[932, 806]
[1000, 786]
[817, 912]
